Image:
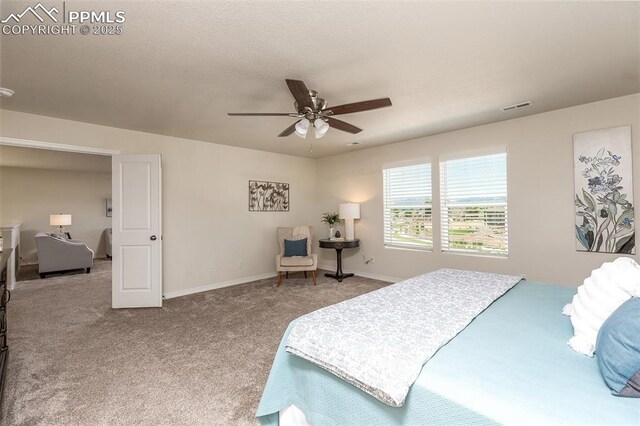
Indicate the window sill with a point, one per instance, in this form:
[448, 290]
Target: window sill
[485, 255]
[416, 249]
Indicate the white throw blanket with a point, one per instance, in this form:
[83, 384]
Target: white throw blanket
[300, 232]
[603, 292]
[379, 341]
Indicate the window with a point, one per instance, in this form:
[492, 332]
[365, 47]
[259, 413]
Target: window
[407, 207]
[473, 191]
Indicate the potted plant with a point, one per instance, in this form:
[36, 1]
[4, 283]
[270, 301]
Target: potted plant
[330, 218]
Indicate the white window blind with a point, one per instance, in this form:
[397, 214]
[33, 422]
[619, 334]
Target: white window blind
[473, 193]
[407, 207]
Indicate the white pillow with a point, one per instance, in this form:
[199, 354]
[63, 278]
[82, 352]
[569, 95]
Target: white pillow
[603, 292]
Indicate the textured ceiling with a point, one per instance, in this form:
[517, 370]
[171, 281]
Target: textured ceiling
[181, 65]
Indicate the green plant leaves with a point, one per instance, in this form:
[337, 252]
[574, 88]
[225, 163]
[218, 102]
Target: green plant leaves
[626, 245]
[582, 238]
[626, 214]
[590, 202]
[330, 217]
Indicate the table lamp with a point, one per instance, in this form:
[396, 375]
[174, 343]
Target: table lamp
[349, 212]
[60, 220]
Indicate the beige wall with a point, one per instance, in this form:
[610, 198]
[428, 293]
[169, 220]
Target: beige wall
[540, 191]
[207, 225]
[210, 237]
[30, 195]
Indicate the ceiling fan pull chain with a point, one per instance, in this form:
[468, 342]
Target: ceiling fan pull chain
[311, 146]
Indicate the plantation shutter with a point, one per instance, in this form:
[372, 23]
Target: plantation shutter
[407, 207]
[473, 193]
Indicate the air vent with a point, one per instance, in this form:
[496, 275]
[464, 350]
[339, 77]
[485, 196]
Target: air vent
[516, 106]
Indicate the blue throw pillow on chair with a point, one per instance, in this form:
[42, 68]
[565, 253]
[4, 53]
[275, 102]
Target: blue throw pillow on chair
[295, 247]
[618, 349]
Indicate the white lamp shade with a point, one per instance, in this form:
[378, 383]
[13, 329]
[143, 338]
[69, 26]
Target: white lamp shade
[303, 125]
[321, 127]
[59, 219]
[349, 211]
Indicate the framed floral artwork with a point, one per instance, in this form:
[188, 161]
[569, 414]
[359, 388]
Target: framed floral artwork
[603, 173]
[268, 196]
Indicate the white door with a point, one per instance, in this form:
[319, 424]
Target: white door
[137, 231]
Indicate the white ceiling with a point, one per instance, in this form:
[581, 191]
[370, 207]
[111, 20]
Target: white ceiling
[180, 66]
[11, 156]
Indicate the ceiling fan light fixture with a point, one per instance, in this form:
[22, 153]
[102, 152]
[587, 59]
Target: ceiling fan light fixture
[319, 134]
[321, 127]
[302, 127]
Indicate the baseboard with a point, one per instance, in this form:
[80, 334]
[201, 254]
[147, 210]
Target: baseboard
[378, 277]
[243, 280]
[214, 286]
[332, 267]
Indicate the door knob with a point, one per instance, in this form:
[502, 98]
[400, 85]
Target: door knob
[153, 238]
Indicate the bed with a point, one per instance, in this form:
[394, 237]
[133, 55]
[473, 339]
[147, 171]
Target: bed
[511, 365]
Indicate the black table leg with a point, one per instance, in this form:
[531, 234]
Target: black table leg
[339, 275]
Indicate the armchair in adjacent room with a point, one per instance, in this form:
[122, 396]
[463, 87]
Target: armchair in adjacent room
[295, 259]
[56, 254]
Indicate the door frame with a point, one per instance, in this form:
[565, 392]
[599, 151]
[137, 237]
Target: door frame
[52, 146]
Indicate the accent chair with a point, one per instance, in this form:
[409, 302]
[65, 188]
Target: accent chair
[288, 264]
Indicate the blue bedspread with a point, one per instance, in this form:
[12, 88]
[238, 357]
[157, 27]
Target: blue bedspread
[511, 365]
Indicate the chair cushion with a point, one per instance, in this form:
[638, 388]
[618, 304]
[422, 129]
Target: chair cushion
[296, 261]
[295, 247]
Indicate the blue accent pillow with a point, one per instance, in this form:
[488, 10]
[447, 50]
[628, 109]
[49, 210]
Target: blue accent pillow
[295, 247]
[618, 349]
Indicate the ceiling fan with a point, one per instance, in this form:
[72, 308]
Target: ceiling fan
[312, 111]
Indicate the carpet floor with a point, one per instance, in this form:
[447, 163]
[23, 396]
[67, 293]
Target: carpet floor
[201, 359]
[30, 272]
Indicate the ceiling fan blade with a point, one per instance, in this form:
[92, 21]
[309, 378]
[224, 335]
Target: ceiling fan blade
[289, 130]
[284, 114]
[341, 125]
[300, 93]
[359, 106]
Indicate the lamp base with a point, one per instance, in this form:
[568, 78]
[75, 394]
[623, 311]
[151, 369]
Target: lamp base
[349, 229]
[61, 232]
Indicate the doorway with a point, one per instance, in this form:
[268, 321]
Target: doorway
[47, 193]
[135, 208]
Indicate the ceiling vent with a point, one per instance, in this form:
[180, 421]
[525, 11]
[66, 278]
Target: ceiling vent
[516, 106]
